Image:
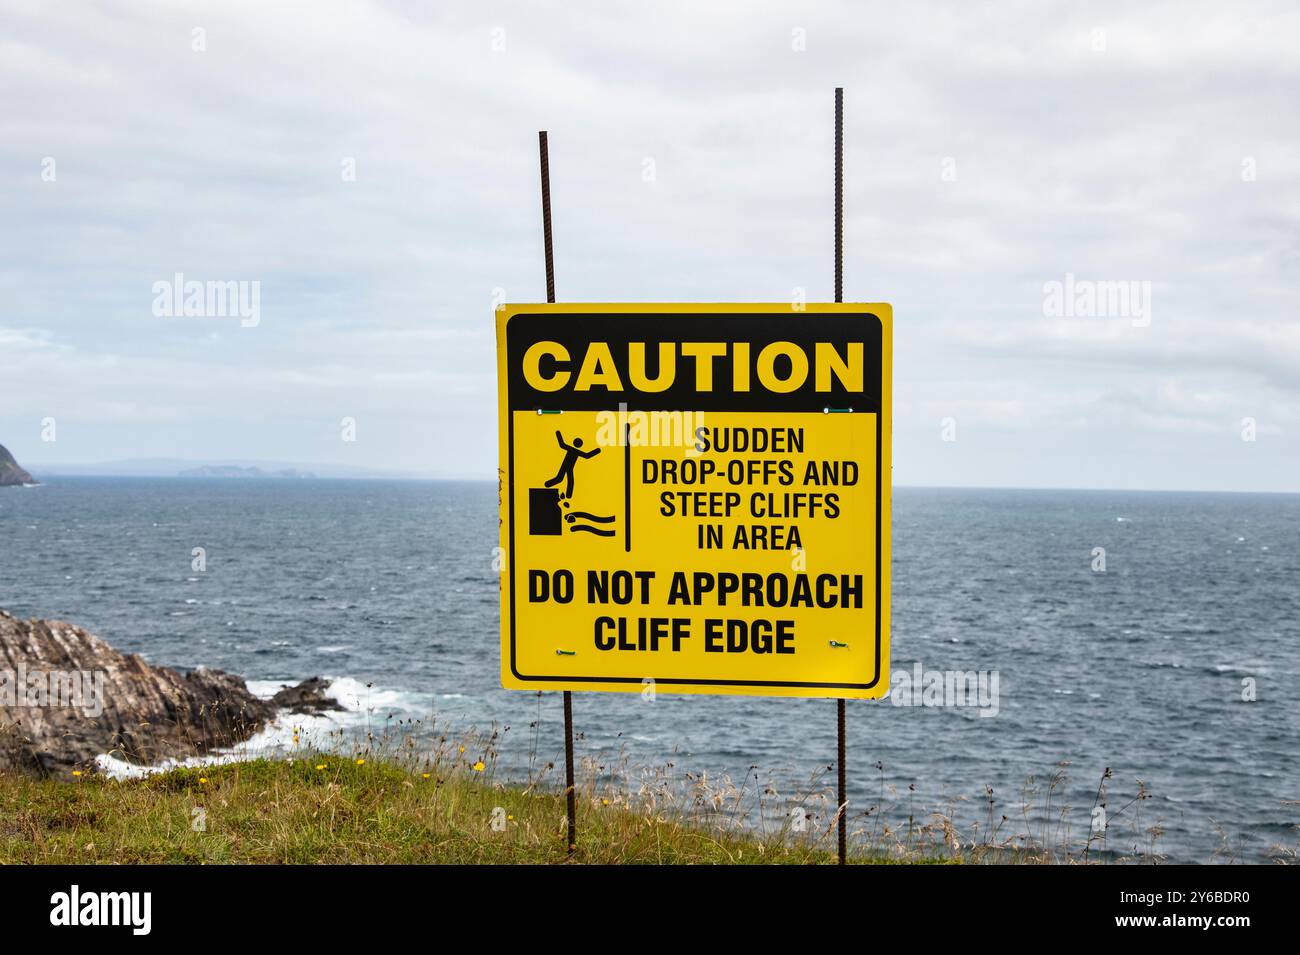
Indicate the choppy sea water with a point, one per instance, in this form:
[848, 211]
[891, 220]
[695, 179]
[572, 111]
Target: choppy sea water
[389, 588]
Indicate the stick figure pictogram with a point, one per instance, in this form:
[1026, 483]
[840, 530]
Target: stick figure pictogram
[572, 452]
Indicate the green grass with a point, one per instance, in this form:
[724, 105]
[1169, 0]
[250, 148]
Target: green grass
[332, 809]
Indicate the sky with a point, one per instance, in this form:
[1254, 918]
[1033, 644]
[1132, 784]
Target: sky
[372, 166]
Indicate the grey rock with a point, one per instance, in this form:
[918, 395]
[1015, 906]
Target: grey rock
[308, 697]
[111, 702]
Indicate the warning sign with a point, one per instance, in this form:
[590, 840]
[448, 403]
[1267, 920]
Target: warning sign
[695, 497]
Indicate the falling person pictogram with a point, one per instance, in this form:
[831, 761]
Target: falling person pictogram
[544, 503]
[572, 452]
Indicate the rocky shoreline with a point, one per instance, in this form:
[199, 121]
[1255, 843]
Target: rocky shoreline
[67, 696]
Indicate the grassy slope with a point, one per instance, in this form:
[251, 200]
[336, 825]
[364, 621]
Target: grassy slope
[265, 811]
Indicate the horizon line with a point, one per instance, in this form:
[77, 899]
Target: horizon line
[476, 479]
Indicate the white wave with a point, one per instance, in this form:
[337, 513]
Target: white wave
[265, 689]
[359, 697]
[1249, 668]
[290, 733]
[356, 697]
[282, 737]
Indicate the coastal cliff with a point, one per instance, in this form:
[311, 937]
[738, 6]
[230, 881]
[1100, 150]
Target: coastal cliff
[10, 471]
[66, 696]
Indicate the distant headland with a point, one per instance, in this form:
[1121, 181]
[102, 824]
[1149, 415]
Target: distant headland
[233, 471]
[241, 467]
[10, 471]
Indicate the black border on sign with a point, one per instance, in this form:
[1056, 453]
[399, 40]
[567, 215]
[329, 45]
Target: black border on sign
[680, 681]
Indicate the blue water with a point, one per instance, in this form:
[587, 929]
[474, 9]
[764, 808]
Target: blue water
[1140, 669]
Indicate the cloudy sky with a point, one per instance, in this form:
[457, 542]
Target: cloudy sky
[990, 150]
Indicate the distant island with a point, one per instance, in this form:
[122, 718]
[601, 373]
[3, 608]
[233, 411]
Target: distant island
[11, 474]
[250, 468]
[232, 471]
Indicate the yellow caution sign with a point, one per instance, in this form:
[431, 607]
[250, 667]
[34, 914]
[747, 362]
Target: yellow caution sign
[695, 498]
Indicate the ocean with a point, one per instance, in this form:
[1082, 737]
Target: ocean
[1175, 667]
